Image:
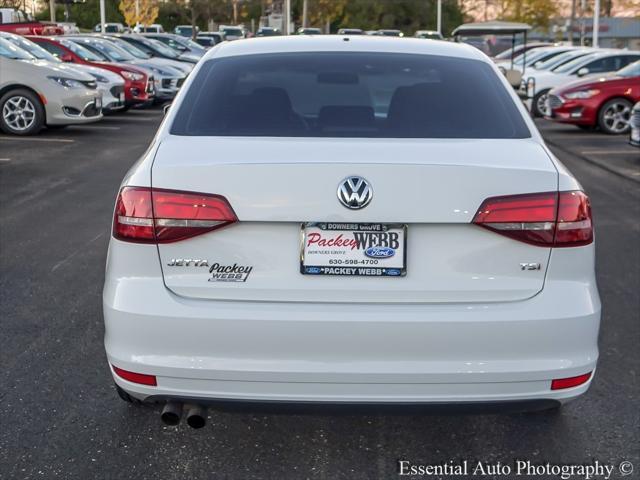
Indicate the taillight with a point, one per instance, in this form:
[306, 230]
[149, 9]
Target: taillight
[147, 215]
[550, 219]
[570, 382]
[141, 378]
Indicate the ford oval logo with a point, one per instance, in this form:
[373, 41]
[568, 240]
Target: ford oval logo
[379, 252]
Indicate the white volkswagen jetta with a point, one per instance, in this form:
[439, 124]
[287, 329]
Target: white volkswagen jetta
[350, 219]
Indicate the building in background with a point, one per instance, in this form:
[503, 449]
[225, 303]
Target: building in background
[614, 32]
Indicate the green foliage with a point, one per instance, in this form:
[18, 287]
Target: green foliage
[405, 15]
[537, 13]
[85, 15]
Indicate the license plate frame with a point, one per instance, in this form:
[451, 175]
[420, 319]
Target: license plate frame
[364, 262]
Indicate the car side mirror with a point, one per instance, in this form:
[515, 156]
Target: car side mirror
[66, 57]
[165, 108]
[583, 71]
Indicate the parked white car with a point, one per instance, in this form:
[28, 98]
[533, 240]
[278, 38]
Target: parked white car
[536, 85]
[531, 57]
[558, 60]
[394, 231]
[35, 93]
[110, 85]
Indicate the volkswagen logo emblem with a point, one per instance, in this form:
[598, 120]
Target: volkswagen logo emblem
[355, 192]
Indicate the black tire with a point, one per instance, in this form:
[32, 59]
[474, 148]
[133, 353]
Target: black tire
[35, 118]
[613, 114]
[535, 109]
[126, 397]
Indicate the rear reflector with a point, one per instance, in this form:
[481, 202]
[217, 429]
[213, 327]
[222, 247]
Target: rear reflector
[562, 383]
[550, 219]
[146, 215]
[133, 377]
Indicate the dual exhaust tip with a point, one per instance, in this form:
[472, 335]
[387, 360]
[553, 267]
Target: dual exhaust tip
[196, 415]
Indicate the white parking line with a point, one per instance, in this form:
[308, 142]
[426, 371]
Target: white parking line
[146, 112]
[606, 152]
[41, 139]
[96, 127]
[130, 119]
[5, 160]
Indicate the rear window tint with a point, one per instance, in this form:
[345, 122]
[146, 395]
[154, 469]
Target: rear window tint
[378, 95]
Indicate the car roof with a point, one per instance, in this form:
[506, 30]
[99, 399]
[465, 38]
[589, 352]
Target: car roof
[335, 43]
[608, 53]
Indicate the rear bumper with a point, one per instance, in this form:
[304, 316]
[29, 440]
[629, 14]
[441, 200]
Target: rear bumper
[354, 353]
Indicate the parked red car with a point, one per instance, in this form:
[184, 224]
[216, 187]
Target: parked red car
[604, 102]
[138, 85]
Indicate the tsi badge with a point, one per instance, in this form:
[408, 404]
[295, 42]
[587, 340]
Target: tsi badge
[229, 273]
[530, 266]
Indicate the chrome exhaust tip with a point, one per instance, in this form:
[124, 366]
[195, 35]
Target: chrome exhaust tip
[171, 413]
[196, 416]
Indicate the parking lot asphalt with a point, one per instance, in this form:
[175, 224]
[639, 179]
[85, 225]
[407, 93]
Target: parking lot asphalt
[61, 418]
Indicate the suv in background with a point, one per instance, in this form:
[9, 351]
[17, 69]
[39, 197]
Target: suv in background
[185, 31]
[110, 28]
[231, 32]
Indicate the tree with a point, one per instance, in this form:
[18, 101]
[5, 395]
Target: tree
[405, 15]
[537, 13]
[85, 15]
[139, 12]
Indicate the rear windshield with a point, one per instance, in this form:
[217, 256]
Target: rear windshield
[379, 95]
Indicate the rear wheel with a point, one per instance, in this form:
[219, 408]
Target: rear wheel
[539, 104]
[614, 116]
[21, 112]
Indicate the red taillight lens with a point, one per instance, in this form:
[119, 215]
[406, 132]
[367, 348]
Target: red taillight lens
[146, 215]
[548, 219]
[570, 382]
[574, 226]
[133, 219]
[134, 377]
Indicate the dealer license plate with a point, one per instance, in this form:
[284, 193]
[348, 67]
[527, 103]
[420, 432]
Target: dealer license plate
[360, 249]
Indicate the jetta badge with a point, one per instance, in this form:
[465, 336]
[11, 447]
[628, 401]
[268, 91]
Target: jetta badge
[355, 192]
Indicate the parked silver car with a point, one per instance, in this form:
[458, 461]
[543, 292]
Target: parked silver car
[185, 47]
[35, 93]
[110, 84]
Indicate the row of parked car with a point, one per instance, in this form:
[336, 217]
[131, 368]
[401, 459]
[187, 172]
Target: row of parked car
[201, 38]
[592, 88]
[55, 81]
